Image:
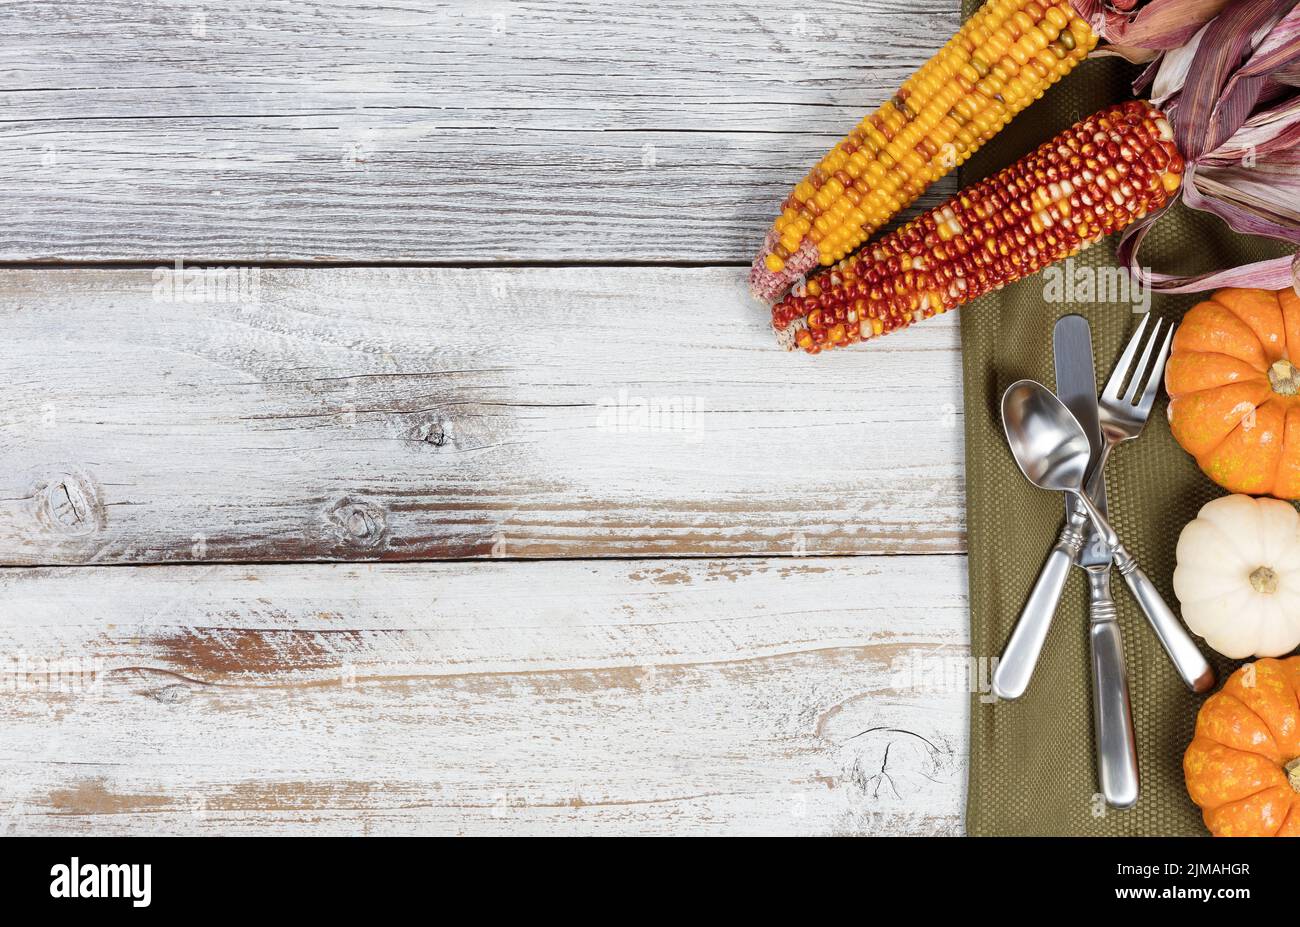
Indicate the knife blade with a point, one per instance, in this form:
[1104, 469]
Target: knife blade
[1076, 385]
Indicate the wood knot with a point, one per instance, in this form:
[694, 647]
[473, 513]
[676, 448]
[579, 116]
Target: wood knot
[358, 522]
[171, 695]
[433, 433]
[891, 765]
[69, 504]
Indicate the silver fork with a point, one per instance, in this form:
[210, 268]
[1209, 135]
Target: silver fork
[1123, 416]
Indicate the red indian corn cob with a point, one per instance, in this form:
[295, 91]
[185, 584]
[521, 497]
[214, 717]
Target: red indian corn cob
[1000, 61]
[1095, 178]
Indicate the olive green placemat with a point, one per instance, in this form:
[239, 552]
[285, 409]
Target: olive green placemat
[1032, 767]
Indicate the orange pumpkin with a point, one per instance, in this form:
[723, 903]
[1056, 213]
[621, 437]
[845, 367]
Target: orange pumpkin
[1234, 390]
[1243, 765]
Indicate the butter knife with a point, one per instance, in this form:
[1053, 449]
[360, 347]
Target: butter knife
[1112, 714]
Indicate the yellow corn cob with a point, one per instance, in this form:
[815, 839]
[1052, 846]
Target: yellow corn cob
[1099, 176]
[1001, 60]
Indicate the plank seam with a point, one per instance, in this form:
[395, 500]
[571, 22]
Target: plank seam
[630, 558]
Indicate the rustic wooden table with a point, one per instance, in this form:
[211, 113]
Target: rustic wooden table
[464, 489]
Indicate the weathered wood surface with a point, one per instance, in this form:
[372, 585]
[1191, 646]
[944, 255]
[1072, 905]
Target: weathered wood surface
[430, 131]
[390, 414]
[680, 696]
[359, 414]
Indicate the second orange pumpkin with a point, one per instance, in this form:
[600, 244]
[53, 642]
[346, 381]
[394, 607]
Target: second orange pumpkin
[1234, 390]
[1243, 764]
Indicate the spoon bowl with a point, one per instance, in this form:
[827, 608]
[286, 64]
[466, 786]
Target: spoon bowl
[1047, 441]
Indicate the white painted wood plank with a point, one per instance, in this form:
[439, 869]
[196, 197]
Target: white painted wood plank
[413, 414]
[431, 131]
[665, 697]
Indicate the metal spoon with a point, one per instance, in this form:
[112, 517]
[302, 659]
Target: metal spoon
[1053, 452]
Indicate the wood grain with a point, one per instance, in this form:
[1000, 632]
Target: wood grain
[167, 452]
[391, 414]
[431, 131]
[681, 696]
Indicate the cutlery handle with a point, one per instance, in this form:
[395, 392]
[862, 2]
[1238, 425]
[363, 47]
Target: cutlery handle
[1112, 715]
[1011, 677]
[1191, 664]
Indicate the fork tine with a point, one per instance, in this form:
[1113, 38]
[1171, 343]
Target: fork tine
[1125, 360]
[1140, 371]
[1153, 382]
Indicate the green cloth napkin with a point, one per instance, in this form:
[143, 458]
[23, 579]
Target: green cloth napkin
[1032, 767]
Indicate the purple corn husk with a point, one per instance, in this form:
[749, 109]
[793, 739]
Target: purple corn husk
[1226, 73]
[1139, 30]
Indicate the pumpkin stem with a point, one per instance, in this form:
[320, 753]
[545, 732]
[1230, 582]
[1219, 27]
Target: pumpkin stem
[1284, 378]
[1264, 580]
[1293, 773]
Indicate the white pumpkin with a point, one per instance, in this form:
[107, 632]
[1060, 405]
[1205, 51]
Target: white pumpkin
[1238, 576]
